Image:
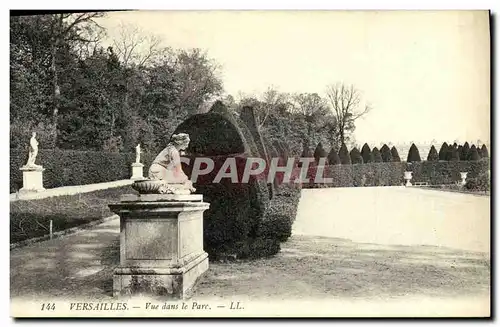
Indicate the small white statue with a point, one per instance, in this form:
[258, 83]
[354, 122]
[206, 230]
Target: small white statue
[138, 153]
[33, 151]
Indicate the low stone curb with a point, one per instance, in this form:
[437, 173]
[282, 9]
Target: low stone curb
[69, 231]
[451, 190]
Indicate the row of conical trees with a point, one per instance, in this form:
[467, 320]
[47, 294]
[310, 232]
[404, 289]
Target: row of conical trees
[454, 152]
[345, 157]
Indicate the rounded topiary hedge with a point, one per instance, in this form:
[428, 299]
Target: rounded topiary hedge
[236, 209]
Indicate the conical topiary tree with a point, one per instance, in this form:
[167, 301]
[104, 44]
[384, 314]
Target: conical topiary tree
[386, 153]
[413, 154]
[345, 158]
[443, 151]
[459, 151]
[433, 154]
[465, 152]
[395, 154]
[473, 154]
[356, 157]
[484, 151]
[453, 154]
[333, 157]
[377, 156]
[366, 153]
[319, 153]
[455, 145]
[306, 153]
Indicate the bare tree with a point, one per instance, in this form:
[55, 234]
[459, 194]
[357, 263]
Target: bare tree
[345, 101]
[312, 107]
[271, 100]
[134, 46]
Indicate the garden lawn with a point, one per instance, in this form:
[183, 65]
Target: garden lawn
[31, 218]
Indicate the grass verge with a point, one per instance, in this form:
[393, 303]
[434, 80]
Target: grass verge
[31, 218]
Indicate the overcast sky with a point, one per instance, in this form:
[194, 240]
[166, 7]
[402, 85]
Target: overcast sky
[426, 74]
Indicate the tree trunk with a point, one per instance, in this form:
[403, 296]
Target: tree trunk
[56, 90]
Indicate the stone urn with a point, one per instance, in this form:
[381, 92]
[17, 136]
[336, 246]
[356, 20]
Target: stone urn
[408, 176]
[463, 175]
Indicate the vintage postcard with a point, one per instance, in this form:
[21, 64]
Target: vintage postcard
[250, 164]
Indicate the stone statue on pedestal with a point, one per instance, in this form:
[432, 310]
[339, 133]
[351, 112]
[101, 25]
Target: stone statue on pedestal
[138, 153]
[33, 152]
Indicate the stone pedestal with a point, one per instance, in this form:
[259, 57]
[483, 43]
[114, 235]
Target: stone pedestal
[32, 179]
[161, 244]
[137, 171]
[408, 177]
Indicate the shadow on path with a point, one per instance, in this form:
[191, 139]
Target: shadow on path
[81, 266]
[322, 267]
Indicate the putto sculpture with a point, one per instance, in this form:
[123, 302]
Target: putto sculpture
[165, 175]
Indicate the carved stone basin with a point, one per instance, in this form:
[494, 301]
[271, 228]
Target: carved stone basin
[148, 186]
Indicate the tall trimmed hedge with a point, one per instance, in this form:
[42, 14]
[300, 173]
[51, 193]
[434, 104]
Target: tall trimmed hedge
[68, 167]
[370, 174]
[445, 172]
[391, 173]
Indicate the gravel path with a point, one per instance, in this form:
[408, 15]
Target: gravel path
[347, 244]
